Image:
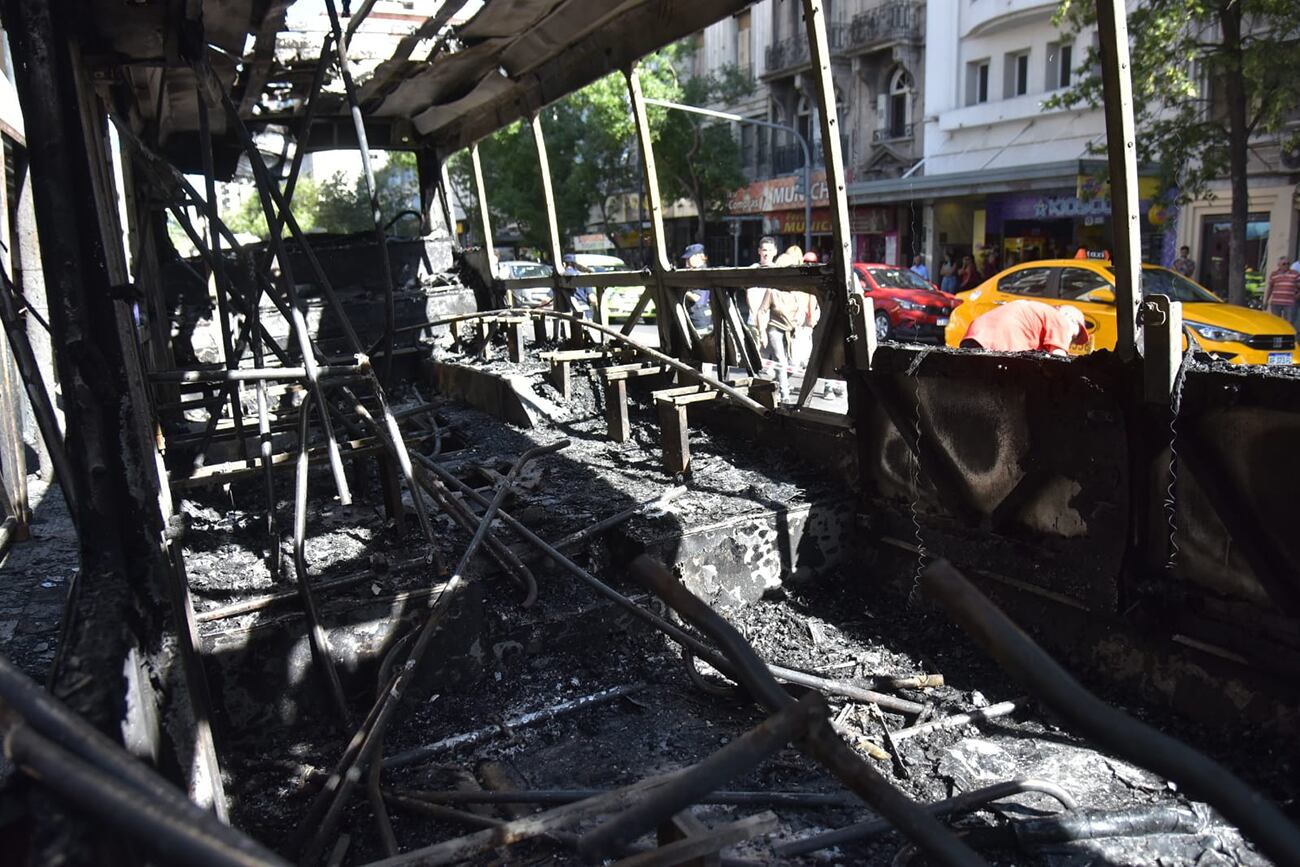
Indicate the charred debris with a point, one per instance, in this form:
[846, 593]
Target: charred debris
[379, 569]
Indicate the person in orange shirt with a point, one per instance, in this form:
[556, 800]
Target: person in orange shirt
[1027, 326]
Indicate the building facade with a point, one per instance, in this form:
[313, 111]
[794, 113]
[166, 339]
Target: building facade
[878, 71]
[953, 142]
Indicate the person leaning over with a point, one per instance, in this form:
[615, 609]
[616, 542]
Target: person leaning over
[1027, 326]
[1283, 286]
[697, 300]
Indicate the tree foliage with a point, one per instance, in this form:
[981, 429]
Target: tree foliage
[592, 150]
[340, 203]
[1180, 63]
[699, 159]
[1207, 76]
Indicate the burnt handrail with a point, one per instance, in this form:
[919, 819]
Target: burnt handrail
[732, 393]
[80, 763]
[822, 743]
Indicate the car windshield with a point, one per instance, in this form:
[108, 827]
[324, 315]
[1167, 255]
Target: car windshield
[601, 269]
[898, 278]
[1160, 281]
[530, 269]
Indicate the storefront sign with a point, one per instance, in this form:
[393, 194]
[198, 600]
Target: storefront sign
[778, 194]
[1093, 187]
[1063, 207]
[591, 243]
[791, 222]
[1050, 206]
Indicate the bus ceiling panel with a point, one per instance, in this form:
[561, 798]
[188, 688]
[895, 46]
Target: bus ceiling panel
[508, 19]
[487, 92]
[449, 78]
[136, 32]
[558, 32]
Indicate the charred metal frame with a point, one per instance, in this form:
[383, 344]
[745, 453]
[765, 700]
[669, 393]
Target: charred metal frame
[49, 742]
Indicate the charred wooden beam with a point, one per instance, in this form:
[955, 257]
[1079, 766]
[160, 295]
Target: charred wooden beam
[120, 609]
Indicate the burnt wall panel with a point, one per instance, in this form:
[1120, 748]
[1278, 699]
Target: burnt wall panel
[1237, 468]
[1022, 469]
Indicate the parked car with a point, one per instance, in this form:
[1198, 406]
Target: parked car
[908, 307]
[619, 300]
[1232, 333]
[533, 296]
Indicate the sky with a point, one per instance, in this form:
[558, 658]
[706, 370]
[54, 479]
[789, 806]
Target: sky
[303, 14]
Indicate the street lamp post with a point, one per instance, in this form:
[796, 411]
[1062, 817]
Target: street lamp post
[803, 142]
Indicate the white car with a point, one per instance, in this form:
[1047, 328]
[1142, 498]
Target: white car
[533, 296]
[619, 300]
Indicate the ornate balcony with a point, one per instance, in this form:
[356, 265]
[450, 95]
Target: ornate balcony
[901, 132]
[793, 53]
[891, 21]
[788, 159]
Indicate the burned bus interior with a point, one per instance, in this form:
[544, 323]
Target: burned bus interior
[375, 566]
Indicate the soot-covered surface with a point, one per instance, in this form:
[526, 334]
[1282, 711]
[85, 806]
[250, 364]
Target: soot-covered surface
[278, 736]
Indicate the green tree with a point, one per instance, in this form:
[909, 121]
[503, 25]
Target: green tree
[343, 205]
[592, 150]
[1207, 75]
[248, 218]
[699, 159]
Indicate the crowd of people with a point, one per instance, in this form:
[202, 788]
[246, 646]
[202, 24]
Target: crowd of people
[780, 321]
[957, 273]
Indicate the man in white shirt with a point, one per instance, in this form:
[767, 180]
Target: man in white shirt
[918, 267]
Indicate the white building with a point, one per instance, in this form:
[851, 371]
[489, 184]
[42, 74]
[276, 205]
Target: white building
[1001, 170]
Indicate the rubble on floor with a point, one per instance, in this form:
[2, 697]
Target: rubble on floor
[481, 718]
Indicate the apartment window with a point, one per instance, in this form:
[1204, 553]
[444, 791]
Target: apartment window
[1017, 74]
[900, 92]
[1060, 64]
[977, 82]
[1213, 95]
[744, 44]
[747, 141]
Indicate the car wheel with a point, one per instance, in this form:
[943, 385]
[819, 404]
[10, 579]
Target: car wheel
[882, 326]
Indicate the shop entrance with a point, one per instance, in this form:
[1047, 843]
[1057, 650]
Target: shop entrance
[1029, 240]
[1213, 267]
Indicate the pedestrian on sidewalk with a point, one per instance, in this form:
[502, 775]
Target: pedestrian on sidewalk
[778, 317]
[967, 276]
[1280, 295]
[948, 279]
[918, 267]
[697, 300]
[1184, 264]
[753, 296]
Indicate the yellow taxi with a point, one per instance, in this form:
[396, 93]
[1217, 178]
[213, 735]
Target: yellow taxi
[1235, 334]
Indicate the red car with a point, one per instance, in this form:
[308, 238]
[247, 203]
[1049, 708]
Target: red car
[908, 307]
